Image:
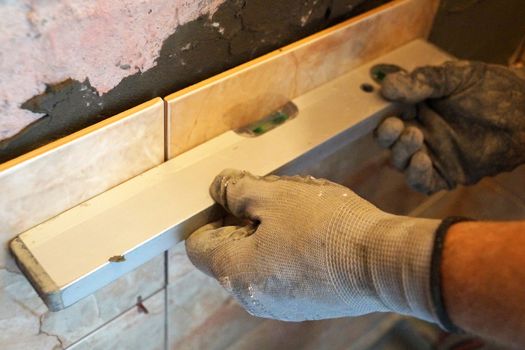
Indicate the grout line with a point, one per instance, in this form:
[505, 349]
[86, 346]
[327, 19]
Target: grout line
[114, 318]
[166, 130]
[166, 281]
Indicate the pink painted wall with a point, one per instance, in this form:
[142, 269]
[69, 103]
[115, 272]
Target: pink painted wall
[103, 41]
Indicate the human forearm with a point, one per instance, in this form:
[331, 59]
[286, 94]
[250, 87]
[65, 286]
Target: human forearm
[483, 279]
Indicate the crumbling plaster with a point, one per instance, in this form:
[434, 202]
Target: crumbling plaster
[46, 42]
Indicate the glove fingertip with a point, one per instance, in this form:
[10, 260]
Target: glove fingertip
[393, 87]
[409, 143]
[219, 186]
[389, 131]
[405, 88]
[421, 175]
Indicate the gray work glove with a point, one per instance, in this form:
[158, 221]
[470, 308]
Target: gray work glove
[468, 122]
[316, 250]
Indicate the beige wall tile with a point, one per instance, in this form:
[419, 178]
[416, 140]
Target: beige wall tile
[178, 263]
[384, 186]
[196, 295]
[513, 181]
[74, 322]
[134, 330]
[52, 179]
[485, 200]
[20, 311]
[208, 328]
[252, 90]
[365, 168]
[26, 323]
[339, 333]
[56, 177]
[198, 306]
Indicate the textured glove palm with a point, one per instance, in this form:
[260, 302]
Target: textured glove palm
[317, 250]
[469, 123]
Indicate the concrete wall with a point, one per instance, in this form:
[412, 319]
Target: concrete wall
[68, 64]
[483, 30]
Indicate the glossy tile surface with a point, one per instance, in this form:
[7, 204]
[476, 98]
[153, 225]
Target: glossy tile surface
[253, 90]
[27, 324]
[197, 305]
[74, 322]
[20, 312]
[50, 180]
[179, 264]
[137, 329]
[487, 200]
[513, 181]
[342, 333]
[365, 168]
[53, 179]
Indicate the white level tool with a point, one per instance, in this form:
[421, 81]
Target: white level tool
[83, 249]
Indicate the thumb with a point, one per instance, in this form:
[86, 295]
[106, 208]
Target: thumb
[406, 88]
[426, 82]
[212, 247]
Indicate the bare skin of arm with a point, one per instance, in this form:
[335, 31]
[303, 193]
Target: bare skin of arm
[483, 279]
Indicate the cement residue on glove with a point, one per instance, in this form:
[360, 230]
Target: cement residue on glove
[464, 121]
[313, 250]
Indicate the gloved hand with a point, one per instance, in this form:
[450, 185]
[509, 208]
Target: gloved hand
[315, 250]
[469, 122]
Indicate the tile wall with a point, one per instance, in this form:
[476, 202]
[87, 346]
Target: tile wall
[47, 181]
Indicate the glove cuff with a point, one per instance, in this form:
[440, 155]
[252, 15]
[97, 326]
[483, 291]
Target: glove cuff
[381, 262]
[405, 262]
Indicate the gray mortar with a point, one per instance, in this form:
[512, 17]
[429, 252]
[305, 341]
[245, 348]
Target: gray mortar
[197, 50]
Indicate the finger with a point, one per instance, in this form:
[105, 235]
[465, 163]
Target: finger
[212, 247]
[244, 195]
[239, 192]
[389, 131]
[410, 141]
[422, 176]
[406, 88]
[428, 82]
